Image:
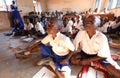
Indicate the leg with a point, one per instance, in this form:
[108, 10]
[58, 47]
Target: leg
[46, 51]
[33, 48]
[75, 59]
[59, 73]
[113, 71]
[110, 68]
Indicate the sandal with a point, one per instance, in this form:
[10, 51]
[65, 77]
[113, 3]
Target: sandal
[21, 55]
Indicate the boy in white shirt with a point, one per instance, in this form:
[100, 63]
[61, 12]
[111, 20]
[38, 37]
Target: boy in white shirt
[39, 30]
[27, 26]
[94, 46]
[56, 46]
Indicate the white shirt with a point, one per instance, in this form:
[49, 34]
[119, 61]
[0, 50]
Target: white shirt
[104, 27]
[28, 27]
[70, 22]
[68, 28]
[39, 27]
[79, 25]
[76, 23]
[60, 45]
[116, 25]
[98, 44]
[112, 24]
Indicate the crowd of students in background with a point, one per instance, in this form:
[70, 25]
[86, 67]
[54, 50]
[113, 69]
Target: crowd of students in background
[36, 23]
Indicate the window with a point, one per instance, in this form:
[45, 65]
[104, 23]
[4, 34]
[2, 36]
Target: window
[2, 5]
[118, 4]
[37, 5]
[5, 5]
[97, 4]
[110, 4]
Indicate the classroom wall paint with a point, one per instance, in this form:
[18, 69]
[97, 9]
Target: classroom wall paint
[69, 5]
[26, 6]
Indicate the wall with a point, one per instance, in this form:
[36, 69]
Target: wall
[104, 4]
[69, 5]
[115, 11]
[44, 4]
[5, 22]
[26, 6]
[75, 5]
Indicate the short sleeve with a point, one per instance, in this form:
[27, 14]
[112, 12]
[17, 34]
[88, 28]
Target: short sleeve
[47, 39]
[77, 39]
[104, 50]
[70, 44]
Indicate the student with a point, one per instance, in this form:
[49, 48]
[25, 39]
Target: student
[27, 26]
[56, 46]
[39, 30]
[18, 28]
[94, 47]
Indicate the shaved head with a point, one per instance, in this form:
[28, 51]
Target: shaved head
[91, 23]
[93, 19]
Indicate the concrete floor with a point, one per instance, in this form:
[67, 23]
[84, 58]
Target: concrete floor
[10, 67]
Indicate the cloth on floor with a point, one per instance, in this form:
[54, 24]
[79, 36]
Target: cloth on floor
[44, 73]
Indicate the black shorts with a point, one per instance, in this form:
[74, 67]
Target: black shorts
[103, 62]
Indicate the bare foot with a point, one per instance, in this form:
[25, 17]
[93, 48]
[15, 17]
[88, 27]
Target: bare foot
[27, 53]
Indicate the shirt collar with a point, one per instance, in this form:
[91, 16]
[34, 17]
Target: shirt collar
[57, 34]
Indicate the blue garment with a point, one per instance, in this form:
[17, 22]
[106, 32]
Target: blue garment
[47, 51]
[17, 29]
[16, 15]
